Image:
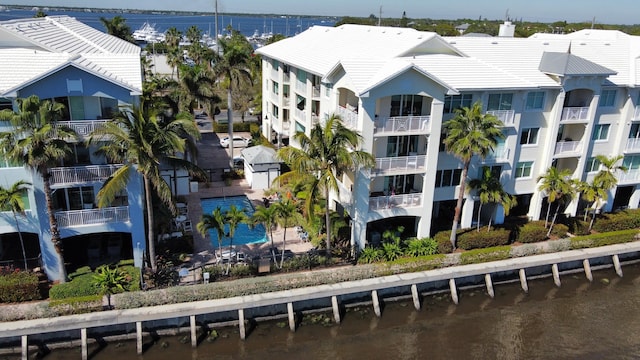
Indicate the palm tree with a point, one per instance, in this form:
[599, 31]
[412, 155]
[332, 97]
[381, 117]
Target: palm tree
[118, 27]
[286, 211]
[470, 133]
[266, 216]
[214, 221]
[11, 200]
[234, 216]
[110, 281]
[38, 142]
[329, 152]
[138, 139]
[559, 188]
[233, 66]
[174, 56]
[490, 190]
[592, 193]
[605, 180]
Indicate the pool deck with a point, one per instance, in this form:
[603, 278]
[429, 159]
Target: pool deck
[211, 156]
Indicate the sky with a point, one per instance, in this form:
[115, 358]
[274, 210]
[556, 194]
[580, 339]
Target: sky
[606, 12]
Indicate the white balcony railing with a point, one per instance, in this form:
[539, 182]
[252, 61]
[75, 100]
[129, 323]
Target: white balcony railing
[301, 87]
[83, 127]
[345, 195]
[567, 147]
[400, 164]
[274, 73]
[316, 91]
[402, 124]
[300, 115]
[285, 76]
[633, 145]
[349, 117]
[61, 176]
[636, 113]
[575, 114]
[108, 215]
[499, 154]
[506, 116]
[628, 177]
[395, 201]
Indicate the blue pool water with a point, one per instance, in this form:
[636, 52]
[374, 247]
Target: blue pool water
[244, 234]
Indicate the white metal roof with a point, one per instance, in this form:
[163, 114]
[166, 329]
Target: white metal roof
[32, 48]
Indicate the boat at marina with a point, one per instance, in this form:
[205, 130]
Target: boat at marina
[148, 34]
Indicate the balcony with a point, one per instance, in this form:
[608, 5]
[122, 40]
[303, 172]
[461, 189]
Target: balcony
[280, 126]
[274, 73]
[402, 125]
[83, 127]
[67, 219]
[500, 154]
[633, 145]
[506, 116]
[316, 91]
[400, 165]
[575, 115]
[349, 117]
[65, 176]
[301, 88]
[345, 194]
[395, 201]
[636, 113]
[568, 148]
[629, 177]
[300, 115]
[286, 77]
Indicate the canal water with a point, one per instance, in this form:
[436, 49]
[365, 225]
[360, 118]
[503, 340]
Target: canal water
[579, 320]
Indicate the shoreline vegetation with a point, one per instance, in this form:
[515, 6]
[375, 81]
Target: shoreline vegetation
[294, 280]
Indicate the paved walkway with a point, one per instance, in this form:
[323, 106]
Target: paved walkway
[212, 156]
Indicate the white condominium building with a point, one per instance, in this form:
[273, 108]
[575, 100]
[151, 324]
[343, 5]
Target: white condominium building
[563, 99]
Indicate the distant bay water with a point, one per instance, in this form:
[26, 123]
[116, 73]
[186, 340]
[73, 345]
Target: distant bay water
[248, 24]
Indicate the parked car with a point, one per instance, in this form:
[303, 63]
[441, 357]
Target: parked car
[238, 141]
[238, 162]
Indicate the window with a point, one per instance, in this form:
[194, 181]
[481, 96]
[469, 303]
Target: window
[600, 132]
[500, 101]
[5, 104]
[453, 102]
[634, 133]
[300, 127]
[535, 100]
[496, 171]
[529, 136]
[404, 105]
[523, 169]
[593, 164]
[275, 111]
[275, 63]
[445, 178]
[275, 87]
[607, 98]
[301, 75]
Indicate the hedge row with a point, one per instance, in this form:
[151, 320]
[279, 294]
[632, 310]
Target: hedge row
[82, 283]
[240, 127]
[603, 239]
[623, 220]
[469, 239]
[19, 286]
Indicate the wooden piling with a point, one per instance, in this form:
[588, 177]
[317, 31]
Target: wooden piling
[616, 265]
[454, 291]
[241, 324]
[83, 340]
[336, 309]
[194, 334]
[376, 303]
[489, 283]
[139, 337]
[556, 274]
[587, 269]
[523, 281]
[292, 318]
[416, 296]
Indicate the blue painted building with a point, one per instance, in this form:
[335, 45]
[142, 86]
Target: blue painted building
[92, 74]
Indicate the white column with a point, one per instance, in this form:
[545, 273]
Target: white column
[466, 217]
[633, 201]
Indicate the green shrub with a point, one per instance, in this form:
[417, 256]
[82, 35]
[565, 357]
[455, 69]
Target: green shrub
[237, 127]
[531, 232]
[560, 230]
[577, 226]
[623, 220]
[242, 270]
[595, 240]
[483, 239]
[82, 284]
[18, 286]
[421, 247]
[485, 255]
[444, 245]
[216, 272]
[391, 251]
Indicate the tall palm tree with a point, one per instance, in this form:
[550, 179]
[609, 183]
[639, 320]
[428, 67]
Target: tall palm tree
[214, 221]
[174, 56]
[559, 188]
[40, 143]
[605, 180]
[490, 190]
[470, 133]
[234, 216]
[325, 155]
[118, 27]
[266, 216]
[141, 140]
[11, 200]
[233, 66]
[286, 211]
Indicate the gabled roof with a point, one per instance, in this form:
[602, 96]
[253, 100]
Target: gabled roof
[566, 64]
[259, 154]
[319, 49]
[32, 49]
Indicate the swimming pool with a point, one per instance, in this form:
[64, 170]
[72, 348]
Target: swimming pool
[244, 234]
